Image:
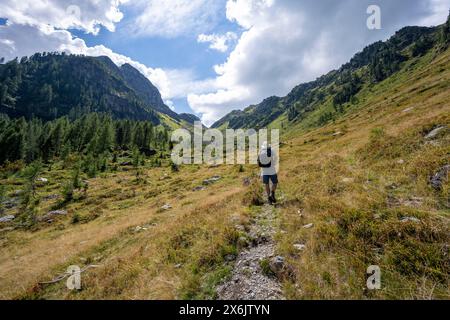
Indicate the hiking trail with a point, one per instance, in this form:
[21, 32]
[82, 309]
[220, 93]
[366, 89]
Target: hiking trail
[248, 280]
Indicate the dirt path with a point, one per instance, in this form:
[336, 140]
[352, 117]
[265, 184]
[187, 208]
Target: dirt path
[248, 281]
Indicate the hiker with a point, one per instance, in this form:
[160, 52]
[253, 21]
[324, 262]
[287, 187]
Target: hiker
[267, 161]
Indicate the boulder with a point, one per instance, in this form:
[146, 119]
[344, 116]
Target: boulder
[212, 180]
[43, 180]
[308, 226]
[57, 213]
[408, 109]
[166, 207]
[434, 133]
[199, 188]
[409, 219]
[11, 203]
[48, 217]
[299, 247]
[7, 218]
[277, 264]
[51, 197]
[438, 179]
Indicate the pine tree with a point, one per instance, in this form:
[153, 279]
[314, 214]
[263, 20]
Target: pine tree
[106, 138]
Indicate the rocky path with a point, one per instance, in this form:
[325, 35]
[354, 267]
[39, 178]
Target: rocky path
[249, 281]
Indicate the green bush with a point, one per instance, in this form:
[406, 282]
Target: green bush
[67, 192]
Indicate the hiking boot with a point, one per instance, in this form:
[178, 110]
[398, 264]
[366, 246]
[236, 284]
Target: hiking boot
[270, 199]
[274, 199]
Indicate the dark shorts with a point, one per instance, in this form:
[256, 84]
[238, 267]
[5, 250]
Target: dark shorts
[273, 178]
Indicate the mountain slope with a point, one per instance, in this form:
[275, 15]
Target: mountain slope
[146, 90]
[49, 86]
[337, 89]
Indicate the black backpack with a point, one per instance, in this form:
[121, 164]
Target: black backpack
[268, 165]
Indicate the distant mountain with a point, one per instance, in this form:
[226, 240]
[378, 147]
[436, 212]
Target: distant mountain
[146, 90]
[49, 86]
[332, 93]
[189, 118]
[255, 116]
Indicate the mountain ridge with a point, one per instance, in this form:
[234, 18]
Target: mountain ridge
[52, 85]
[341, 86]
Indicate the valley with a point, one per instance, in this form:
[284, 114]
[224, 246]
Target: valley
[363, 181]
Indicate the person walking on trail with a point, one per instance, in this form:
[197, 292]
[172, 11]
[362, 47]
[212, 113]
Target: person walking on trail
[268, 162]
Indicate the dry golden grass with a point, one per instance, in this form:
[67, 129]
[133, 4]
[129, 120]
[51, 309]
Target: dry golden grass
[357, 186]
[29, 257]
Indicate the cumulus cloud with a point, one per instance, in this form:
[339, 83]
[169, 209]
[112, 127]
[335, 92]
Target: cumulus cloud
[439, 12]
[287, 42]
[171, 18]
[87, 15]
[219, 42]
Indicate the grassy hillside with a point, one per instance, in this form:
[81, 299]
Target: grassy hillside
[362, 180]
[358, 179]
[325, 99]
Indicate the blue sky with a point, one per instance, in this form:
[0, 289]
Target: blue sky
[210, 57]
[181, 52]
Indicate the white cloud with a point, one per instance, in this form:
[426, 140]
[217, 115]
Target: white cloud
[248, 13]
[182, 82]
[287, 42]
[439, 12]
[87, 15]
[171, 18]
[219, 42]
[8, 44]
